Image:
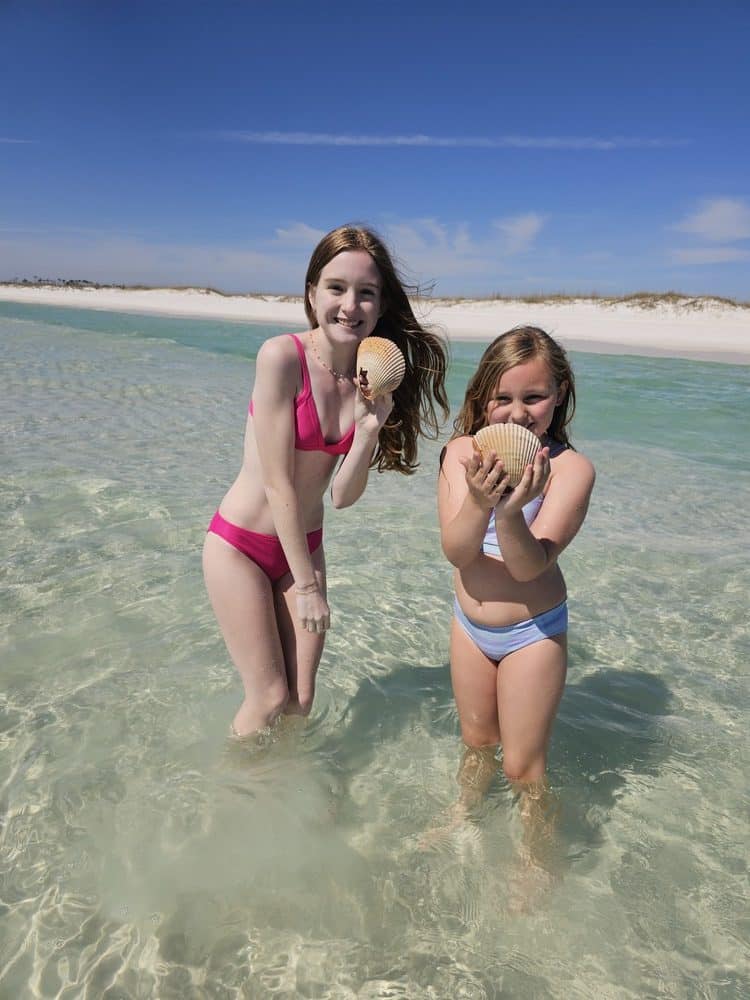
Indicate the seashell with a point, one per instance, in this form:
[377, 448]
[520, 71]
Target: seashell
[513, 444]
[380, 367]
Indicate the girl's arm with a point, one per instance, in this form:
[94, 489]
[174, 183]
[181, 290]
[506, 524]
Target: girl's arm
[467, 492]
[351, 478]
[276, 375]
[529, 551]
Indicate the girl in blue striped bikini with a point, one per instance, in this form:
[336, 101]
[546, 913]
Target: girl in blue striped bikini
[508, 637]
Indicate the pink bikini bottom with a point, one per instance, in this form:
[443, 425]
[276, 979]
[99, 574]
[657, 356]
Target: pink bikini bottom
[264, 550]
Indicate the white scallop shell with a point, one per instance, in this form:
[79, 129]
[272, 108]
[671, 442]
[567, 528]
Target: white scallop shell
[380, 366]
[513, 444]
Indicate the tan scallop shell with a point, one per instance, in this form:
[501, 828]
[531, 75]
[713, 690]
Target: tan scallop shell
[513, 444]
[380, 366]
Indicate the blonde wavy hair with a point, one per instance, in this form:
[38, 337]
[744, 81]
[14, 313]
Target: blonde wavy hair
[517, 346]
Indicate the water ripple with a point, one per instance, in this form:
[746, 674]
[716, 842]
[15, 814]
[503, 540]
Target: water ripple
[142, 855]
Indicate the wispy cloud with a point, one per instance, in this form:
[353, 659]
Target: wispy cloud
[438, 252]
[519, 231]
[716, 220]
[6, 141]
[450, 142]
[299, 234]
[417, 235]
[719, 220]
[710, 255]
[507, 236]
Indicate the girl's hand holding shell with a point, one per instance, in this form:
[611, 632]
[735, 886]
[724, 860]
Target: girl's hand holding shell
[525, 462]
[532, 483]
[513, 444]
[371, 414]
[380, 371]
[486, 478]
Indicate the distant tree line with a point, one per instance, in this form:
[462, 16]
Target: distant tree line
[67, 282]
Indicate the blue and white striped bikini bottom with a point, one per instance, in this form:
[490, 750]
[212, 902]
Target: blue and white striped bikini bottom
[497, 642]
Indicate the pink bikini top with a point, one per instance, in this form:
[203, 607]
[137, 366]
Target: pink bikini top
[308, 435]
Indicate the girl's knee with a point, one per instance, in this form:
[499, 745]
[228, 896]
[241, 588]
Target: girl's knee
[478, 736]
[522, 768]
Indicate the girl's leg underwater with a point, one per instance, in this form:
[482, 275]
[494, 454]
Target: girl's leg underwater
[242, 598]
[474, 680]
[302, 650]
[530, 684]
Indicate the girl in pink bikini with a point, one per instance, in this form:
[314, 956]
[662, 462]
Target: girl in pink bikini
[308, 427]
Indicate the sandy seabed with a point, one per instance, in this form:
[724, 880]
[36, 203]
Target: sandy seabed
[704, 329]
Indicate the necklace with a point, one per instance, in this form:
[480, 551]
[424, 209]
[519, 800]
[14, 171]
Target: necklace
[339, 376]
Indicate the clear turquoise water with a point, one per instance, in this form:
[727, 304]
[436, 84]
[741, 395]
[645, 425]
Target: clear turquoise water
[142, 858]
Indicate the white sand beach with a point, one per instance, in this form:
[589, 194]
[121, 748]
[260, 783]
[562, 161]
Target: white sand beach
[703, 328]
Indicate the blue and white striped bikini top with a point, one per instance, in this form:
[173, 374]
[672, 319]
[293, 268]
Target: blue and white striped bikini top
[490, 545]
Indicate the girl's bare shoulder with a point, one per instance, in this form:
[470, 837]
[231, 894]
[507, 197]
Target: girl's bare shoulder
[279, 350]
[459, 447]
[278, 359]
[456, 449]
[570, 464]
[277, 369]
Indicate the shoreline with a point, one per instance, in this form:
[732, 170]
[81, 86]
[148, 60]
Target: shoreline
[694, 329]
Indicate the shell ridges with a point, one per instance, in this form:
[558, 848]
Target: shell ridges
[513, 444]
[380, 366]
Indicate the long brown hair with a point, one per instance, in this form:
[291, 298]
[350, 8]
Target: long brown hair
[414, 413]
[517, 346]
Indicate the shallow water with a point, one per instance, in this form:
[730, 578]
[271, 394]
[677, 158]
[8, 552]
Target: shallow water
[143, 857]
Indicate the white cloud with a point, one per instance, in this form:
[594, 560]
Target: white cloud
[419, 235]
[450, 142]
[463, 242]
[719, 220]
[429, 238]
[710, 255]
[456, 257]
[519, 231]
[299, 235]
[4, 140]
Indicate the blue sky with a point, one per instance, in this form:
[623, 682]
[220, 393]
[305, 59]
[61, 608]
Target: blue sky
[572, 147]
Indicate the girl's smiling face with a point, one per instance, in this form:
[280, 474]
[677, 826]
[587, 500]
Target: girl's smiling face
[347, 298]
[526, 394]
